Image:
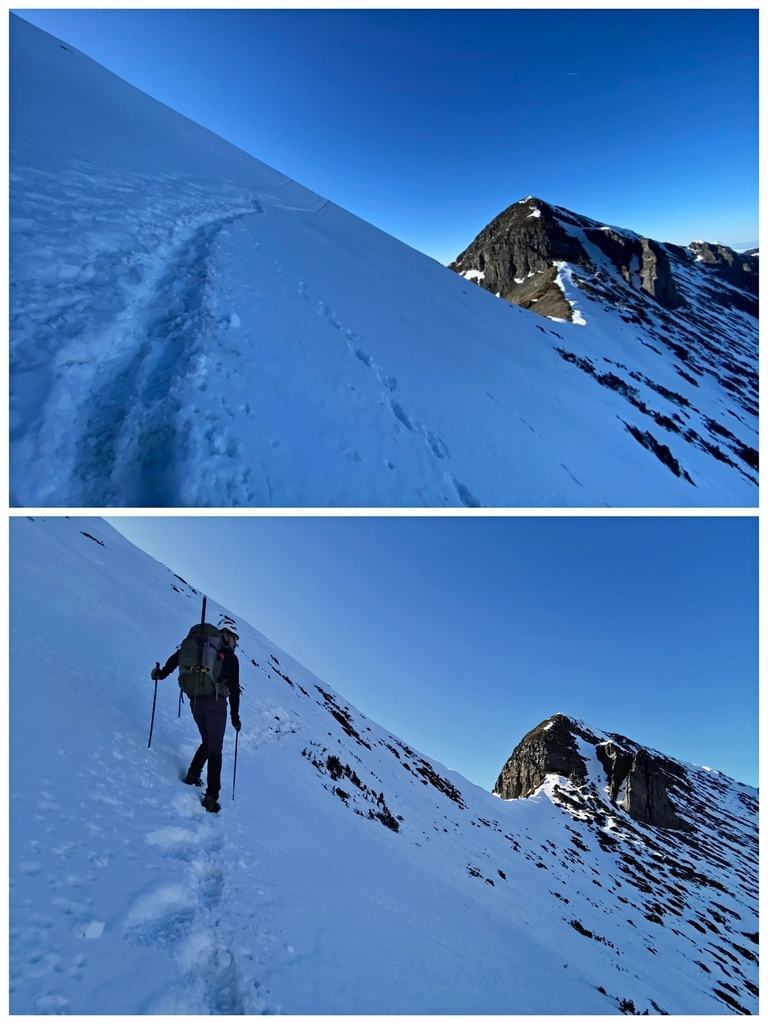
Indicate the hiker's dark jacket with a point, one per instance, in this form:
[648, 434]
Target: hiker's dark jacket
[230, 675]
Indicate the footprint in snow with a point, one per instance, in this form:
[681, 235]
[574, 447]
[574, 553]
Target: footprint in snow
[67, 906]
[570, 474]
[329, 314]
[401, 415]
[438, 446]
[160, 917]
[466, 497]
[210, 882]
[212, 971]
[51, 1003]
[175, 841]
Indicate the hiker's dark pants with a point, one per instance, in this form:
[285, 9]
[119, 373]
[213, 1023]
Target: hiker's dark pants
[210, 716]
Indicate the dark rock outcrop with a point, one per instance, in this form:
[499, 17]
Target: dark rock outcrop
[641, 262]
[647, 799]
[514, 257]
[550, 748]
[517, 257]
[645, 781]
[634, 779]
[741, 269]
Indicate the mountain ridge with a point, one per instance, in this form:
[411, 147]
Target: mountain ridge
[694, 308]
[508, 246]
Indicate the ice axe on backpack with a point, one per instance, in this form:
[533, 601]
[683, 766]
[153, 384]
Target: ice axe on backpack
[154, 702]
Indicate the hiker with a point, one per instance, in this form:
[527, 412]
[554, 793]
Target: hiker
[209, 709]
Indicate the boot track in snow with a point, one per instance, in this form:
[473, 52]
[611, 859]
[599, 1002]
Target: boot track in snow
[129, 438]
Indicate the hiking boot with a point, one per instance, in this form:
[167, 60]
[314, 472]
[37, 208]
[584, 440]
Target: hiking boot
[192, 780]
[210, 803]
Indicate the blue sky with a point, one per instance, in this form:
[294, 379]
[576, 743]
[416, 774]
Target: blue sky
[429, 123]
[459, 634]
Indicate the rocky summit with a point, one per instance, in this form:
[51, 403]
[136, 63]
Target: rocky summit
[518, 257]
[682, 840]
[636, 780]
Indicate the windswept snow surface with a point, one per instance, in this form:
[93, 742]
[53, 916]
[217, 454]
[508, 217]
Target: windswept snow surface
[350, 874]
[189, 327]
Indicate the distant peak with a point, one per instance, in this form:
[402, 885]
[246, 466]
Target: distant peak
[639, 781]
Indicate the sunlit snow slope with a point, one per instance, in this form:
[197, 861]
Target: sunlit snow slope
[350, 874]
[191, 328]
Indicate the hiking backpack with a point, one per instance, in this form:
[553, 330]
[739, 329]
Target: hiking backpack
[200, 659]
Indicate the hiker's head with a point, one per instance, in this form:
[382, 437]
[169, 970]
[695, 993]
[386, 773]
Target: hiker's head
[228, 630]
[229, 637]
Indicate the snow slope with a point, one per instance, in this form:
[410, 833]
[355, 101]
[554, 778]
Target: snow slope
[191, 328]
[351, 874]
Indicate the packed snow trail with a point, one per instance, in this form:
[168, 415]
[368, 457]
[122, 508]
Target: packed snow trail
[137, 845]
[191, 328]
[134, 411]
[129, 317]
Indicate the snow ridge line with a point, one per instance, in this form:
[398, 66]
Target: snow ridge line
[130, 420]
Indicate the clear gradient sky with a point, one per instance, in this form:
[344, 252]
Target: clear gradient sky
[428, 123]
[459, 634]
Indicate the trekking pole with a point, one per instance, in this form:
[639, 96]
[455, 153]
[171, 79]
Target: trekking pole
[199, 652]
[234, 773]
[154, 701]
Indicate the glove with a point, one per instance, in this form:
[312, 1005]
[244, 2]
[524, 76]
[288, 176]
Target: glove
[155, 673]
[236, 724]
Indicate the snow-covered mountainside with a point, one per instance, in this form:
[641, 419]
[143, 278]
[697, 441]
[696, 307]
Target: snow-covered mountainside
[687, 367]
[190, 327]
[351, 873]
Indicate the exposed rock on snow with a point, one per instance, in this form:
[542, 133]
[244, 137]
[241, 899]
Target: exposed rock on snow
[511, 246]
[514, 257]
[553, 748]
[550, 748]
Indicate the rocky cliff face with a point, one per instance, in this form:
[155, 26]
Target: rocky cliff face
[550, 748]
[514, 257]
[518, 254]
[740, 269]
[639, 782]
